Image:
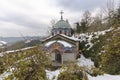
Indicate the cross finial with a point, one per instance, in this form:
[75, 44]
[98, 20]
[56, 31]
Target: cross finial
[61, 14]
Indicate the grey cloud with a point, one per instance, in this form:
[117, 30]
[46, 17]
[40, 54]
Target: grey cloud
[80, 4]
[22, 19]
[33, 27]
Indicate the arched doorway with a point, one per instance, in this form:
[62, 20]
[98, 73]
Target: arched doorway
[58, 56]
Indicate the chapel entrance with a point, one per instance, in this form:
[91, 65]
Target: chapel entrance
[58, 56]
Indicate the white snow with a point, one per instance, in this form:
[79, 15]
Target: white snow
[2, 43]
[88, 37]
[84, 62]
[105, 77]
[65, 44]
[52, 74]
[72, 38]
[4, 75]
[49, 43]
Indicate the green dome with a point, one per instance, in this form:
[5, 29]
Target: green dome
[62, 24]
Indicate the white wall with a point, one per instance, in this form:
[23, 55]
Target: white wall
[66, 57]
[69, 56]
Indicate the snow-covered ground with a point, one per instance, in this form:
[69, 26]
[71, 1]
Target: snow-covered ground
[52, 74]
[84, 62]
[105, 77]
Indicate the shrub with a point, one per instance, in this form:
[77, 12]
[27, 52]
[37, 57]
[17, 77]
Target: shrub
[73, 72]
[96, 71]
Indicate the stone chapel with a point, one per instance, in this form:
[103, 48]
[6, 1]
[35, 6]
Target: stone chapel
[61, 46]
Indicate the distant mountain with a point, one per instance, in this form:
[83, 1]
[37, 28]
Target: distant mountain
[23, 44]
[11, 40]
[12, 43]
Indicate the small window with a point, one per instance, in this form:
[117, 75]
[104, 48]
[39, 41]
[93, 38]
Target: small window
[65, 32]
[60, 32]
[52, 33]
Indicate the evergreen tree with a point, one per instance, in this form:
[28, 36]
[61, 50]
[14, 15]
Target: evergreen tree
[110, 59]
[28, 65]
[78, 29]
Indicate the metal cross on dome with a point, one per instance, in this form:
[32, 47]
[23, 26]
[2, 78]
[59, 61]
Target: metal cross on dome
[61, 14]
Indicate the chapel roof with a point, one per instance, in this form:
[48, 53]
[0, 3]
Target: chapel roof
[72, 40]
[62, 24]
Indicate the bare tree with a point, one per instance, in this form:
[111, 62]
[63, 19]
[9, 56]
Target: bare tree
[52, 23]
[87, 18]
[109, 11]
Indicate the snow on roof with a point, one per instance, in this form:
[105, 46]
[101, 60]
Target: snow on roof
[64, 43]
[72, 38]
[49, 43]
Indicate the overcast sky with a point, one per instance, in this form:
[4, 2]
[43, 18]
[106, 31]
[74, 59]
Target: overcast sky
[33, 17]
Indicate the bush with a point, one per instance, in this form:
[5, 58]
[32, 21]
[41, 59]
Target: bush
[73, 72]
[110, 58]
[31, 67]
[96, 71]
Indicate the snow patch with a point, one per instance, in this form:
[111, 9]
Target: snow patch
[52, 74]
[105, 77]
[2, 43]
[88, 37]
[4, 75]
[84, 62]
